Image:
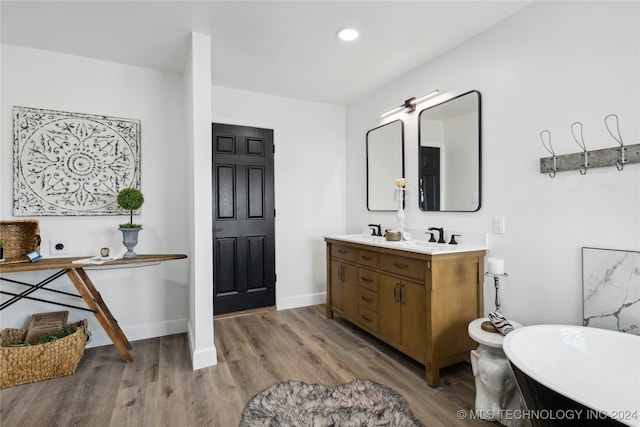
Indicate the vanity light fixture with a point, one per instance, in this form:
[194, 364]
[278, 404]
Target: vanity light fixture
[348, 34]
[409, 105]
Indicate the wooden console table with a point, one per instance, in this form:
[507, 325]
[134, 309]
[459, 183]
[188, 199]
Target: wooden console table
[86, 289]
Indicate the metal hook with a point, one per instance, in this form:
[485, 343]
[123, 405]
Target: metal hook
[582, 145]
[547, 145]
[620, 163]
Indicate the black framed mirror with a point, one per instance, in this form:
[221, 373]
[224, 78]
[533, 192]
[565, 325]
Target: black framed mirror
[385, 163]
[449, 156]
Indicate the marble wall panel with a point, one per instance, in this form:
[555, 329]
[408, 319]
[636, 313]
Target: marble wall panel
[611, 289]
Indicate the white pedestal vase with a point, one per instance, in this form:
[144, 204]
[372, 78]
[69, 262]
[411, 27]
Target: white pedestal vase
[129, 240]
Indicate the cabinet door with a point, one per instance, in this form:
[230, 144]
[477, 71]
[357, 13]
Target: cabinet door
[414, 318]
[344, 289]
[389, 314]
[335, 282]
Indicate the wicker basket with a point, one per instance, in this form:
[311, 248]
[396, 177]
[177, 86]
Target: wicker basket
[20, 237]
[22, 365]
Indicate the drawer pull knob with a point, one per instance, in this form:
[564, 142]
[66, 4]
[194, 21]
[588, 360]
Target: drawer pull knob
[367, 258]
[366, 279]
[367, 299]
[400, 265]
[365, 318]
[342, 251]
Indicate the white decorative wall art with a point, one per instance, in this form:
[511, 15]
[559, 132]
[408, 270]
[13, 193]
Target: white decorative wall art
[72, 163]
[611, 289]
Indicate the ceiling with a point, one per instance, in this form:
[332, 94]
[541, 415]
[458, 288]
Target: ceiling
[285, 48]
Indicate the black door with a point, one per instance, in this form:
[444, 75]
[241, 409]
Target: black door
[243, 220]
[429, 179]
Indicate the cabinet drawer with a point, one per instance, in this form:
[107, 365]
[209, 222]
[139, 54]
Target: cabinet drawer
[368, 258]
[344, 252]
[368, 279]
[368, 318]
[404, 266]
[368, 299]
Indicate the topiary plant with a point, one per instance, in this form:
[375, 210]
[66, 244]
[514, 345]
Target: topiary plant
[131, 200]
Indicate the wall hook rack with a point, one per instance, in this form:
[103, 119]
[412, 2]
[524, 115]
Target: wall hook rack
[616, 156]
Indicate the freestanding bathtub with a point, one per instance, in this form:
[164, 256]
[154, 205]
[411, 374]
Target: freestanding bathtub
[576, 375]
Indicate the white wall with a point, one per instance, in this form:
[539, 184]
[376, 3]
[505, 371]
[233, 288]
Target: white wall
[309, 183]
[147, 301]
[546, 67]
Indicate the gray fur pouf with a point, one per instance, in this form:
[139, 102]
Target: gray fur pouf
[359, 403]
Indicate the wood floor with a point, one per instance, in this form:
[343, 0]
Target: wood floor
[254, 352]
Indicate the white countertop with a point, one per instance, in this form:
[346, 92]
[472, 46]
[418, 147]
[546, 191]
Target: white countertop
[417, 246]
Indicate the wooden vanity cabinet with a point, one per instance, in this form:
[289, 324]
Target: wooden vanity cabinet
[420, 304]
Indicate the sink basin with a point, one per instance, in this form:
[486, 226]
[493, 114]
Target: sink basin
[367, 238]
[423, 244]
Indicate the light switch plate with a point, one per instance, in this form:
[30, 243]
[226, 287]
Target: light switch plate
[498, 225]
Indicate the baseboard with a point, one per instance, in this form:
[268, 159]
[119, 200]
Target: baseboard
[201, 358]
[140, 332]
[302, 301]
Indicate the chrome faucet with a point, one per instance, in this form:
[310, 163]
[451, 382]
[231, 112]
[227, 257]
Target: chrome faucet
[440, 233]
[375, 230]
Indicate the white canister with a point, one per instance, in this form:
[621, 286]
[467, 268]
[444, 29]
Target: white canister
[495, 265]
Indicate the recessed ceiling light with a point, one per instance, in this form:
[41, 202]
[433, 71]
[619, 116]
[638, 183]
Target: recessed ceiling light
[348, 34]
